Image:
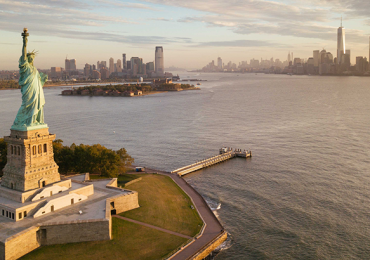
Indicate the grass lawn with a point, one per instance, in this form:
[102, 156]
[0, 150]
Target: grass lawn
[122, 179]
[130, 242]
[164, 204]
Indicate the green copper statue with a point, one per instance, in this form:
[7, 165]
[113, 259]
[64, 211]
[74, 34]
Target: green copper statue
[31, 113]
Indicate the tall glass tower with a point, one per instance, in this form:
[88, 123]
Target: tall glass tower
[341, 43]
[159, 63]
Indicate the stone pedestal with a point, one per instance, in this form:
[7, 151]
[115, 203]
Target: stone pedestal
[30, 161]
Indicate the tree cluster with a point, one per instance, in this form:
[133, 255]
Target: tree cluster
[93, 159]
[120, 88]
[4, 84]
[83, 158]
[172, 86]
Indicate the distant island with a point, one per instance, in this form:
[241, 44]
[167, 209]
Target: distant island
[129, 90]
[13, 83]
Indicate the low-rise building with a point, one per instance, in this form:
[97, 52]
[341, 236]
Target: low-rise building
[85, 92]
[115, 93]
[96, 74]
[163, 81]
[98, 92]
[128, 94]
[67, 92]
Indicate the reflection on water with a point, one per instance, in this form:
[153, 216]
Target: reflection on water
[303, 195]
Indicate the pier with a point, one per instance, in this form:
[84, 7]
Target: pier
[226, 153]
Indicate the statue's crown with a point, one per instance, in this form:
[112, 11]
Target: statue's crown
[32, 53]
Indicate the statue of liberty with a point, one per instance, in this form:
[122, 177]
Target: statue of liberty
[31, 113]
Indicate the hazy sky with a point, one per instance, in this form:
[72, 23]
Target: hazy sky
[192, 32]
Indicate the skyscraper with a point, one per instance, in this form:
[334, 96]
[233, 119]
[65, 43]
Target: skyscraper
[70, 64]
[67, 68]
[124, 63]
[347, 59]
[73, 64]
[111, 65]
[87, 70]
[316, 55]
[341, 45]
[119, 66]
[360, 64]
[150, 66]
[159, 63]
[104, 73]
[219, 63]
[129, 64]
[136, 67]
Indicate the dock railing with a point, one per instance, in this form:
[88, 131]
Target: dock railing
[204, 163]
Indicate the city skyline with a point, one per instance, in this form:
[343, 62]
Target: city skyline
[192, 33]
[321, 63]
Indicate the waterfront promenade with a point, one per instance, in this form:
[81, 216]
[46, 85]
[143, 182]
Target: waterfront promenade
[213, 227]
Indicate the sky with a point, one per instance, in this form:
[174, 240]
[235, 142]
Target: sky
[192, 32]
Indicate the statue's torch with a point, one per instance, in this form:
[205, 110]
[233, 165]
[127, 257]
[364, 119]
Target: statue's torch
[25, 32]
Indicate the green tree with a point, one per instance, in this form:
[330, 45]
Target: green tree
[63, 156]
[93, 159]
[125, 160]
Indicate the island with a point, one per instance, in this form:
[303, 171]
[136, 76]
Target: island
[128, 90]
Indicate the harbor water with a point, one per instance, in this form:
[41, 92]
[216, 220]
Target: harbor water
[305, 192]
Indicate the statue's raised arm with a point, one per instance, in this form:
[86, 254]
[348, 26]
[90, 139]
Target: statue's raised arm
[25, 40]
[31, 113]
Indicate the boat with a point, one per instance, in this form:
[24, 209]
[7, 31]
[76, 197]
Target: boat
[199, 83]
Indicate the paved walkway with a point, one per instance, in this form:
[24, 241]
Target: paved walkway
[151, 226]
[213, 226]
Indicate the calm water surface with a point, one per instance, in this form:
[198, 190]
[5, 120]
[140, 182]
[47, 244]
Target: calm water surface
[305, 192]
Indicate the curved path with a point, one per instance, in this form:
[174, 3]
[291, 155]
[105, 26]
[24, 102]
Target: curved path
[213, 227]
[151, 226]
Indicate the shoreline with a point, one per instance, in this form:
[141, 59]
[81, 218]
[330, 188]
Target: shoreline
[262, 72]
[77, 84]
[144, 94]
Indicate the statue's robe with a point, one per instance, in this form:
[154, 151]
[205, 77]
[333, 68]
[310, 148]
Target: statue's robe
[31, 112]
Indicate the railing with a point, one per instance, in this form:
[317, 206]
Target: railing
[204, 163]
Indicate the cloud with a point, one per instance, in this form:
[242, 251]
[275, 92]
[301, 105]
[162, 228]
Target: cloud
[76, 4]
[59, 20]
[45, 30]
[241, 43]
[302, 19]
[252, 9]
[52, 15]
[351, 9]
[109, 3]
[287, 27]
[161, 19]
[9, 43]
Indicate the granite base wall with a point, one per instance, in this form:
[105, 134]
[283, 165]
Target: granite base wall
[78, 231]
[127, 202]
[206, 251]
[54, 233]
[20, 244]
